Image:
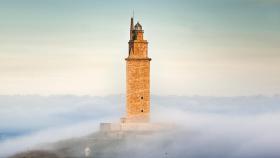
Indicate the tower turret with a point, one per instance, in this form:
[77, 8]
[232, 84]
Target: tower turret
[131, 27]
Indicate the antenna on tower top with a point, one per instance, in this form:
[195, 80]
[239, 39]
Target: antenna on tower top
[133, 13]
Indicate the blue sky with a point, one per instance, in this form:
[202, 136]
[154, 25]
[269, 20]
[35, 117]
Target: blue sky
[198, 47]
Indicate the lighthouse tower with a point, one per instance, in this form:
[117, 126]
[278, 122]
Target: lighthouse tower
[137, 76]
[137, 118]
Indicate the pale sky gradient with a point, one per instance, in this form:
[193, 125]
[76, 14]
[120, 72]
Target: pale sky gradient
[198, 47]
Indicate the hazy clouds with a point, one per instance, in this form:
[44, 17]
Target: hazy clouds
[210, 126]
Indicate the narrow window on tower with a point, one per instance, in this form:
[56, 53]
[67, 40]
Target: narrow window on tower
[142, 98]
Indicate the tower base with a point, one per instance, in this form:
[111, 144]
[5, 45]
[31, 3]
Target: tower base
[136, 119]
[134, 127]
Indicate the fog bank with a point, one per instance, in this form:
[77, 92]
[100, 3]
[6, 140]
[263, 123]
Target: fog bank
[209, 126]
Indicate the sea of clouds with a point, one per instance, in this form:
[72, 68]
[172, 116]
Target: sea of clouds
[227, 127]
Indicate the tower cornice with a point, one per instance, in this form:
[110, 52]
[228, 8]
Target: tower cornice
[137, 58]
[138, 41]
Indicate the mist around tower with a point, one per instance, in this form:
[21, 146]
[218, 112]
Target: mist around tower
[181, 79]
[172, 126]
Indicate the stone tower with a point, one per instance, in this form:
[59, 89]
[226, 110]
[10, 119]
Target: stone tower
[137, 76]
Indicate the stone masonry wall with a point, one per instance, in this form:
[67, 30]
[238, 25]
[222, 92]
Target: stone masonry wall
[138, 89]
